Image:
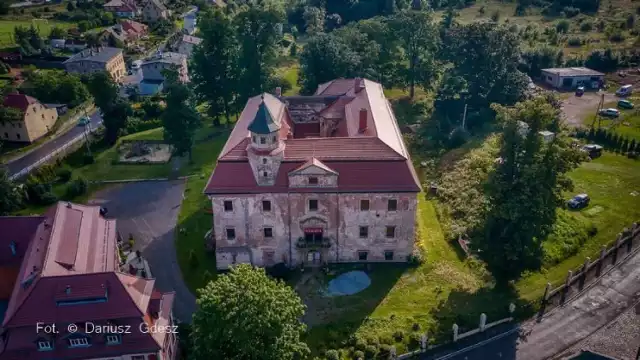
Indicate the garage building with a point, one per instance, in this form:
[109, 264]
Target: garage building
[571, 78]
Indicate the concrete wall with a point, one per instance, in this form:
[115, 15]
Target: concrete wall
[339, 215]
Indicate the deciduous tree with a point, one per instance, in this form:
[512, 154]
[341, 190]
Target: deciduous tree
[214, 70]
[246, 315]
[180, 119]
[525, 189]
[115, 111]
[11, 196]
[417, 34]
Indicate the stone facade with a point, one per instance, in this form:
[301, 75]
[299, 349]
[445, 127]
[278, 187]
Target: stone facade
[339, 216]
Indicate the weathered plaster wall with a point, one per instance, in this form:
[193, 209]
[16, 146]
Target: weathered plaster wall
[339, 215]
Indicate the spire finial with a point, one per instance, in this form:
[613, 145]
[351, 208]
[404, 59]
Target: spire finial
[262, 96]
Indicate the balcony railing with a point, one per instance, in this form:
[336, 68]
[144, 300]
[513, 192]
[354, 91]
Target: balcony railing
[303, 243]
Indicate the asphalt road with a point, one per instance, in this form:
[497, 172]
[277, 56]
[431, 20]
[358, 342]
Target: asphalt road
[149, 210]
[50, 146]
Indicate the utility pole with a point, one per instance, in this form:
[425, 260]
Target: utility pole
[598, 117]
[464, 117]
[87, 131]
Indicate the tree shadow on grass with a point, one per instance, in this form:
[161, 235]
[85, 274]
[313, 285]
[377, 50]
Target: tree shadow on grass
[464, 309]
[333, 320]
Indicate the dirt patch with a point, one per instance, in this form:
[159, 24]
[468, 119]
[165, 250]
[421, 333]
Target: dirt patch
[575, 109]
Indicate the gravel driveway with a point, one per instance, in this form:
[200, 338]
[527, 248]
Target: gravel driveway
[149, 210]
[576, 109]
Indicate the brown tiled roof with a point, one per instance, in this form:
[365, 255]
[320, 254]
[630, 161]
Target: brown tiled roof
[314, 162]
[19, 101]
[133, 27]
[231, 177]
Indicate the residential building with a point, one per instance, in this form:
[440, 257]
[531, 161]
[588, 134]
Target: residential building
[153, 68]
[57, 43]
[75, 45]
[571, 78]
[190, 21]
[63, 269]
[98, 59]
[315, 179]
[187, 43]
[154, 11]
[35, 121]
[123, 8]
[127, 31]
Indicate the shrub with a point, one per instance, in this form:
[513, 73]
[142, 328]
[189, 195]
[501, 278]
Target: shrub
[88, 159]
[414, 341]
[570, 12]
[77, 187]
[39, 193]
[370, 352]
[360, 345]
[415, 327]
[281, 82]
[568, 236]
[293, 50]
[332, 355]
[279, 271]
[574, 41]
[64, 174]
[398, 336]
[562, 26]
[415, 259]
[388, 340]
[495, 16]
[384, 351]
[458, 137]
[373, 340]
[358, 355]
[285, 42]
[586, 26]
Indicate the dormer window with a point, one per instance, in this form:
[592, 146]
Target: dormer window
[263, 140]
[44, 345]
[264, 161]
[78, 342]
[313, 180]
[254, 139]
[264, 174]
[273, 139]
[113, 339]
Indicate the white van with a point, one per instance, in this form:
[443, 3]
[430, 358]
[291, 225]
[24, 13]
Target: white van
[624, 90]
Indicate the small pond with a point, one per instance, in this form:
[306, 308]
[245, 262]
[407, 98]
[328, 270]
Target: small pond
[349, 283]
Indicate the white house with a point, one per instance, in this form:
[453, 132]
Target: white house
[571, 78]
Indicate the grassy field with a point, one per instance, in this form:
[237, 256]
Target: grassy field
[611, 181]
[7, 26]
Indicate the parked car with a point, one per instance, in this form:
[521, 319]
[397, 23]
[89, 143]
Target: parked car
[593, 150]
[580, 91]
[625, 104]
[625, 90]
[610, 112]
[84, 121]
[579, 201]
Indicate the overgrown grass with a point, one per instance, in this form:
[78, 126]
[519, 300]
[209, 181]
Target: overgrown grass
[44, 26]
[611, 181]
[429, 298]
[291, 72]
[569, 234]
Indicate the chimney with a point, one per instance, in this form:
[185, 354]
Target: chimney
[67, 290]
[12, 245]
[359, 85]
[278, 91]
[362, 124]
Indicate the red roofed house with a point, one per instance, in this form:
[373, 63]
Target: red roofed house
[63, 268]
[34, 122]
[314, 179]
[123, 8]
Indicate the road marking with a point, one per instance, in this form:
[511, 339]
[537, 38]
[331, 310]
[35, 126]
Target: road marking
[481, 343]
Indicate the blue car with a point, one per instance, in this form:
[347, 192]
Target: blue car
[579, 201]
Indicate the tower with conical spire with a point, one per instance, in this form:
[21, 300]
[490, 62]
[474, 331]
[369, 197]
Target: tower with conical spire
[265, 150]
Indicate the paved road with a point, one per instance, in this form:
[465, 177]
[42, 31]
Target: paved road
[612, 295]
[497, 343]
[50, 146]
[149, 211]
[600, 306]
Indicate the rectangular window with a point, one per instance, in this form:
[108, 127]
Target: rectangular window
[228, 205]
[78, 342]
[364, 205]
[391, 231]
[313, 205]
[268, 232]
[388, 255]
[313, 180]
[392, 205]
[113, 339]
[263, 140]
[362, 255]
[44, 345]
[266, 205]
[364, 232]
[231, 234]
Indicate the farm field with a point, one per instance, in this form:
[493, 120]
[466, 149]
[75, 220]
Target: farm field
[7, 26]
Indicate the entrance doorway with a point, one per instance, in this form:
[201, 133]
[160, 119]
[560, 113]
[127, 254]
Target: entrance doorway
[314, 257]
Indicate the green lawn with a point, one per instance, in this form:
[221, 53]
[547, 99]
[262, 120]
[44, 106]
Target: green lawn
[290, 72]
[7, 26]
[429, 298]
[609, 181]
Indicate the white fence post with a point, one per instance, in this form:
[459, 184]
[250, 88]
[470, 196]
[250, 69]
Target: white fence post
[483, 321]
[455, 332]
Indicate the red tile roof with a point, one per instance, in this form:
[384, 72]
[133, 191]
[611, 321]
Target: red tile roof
[86, 288]
[134, 27]
[19, 101]
[231, 177]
